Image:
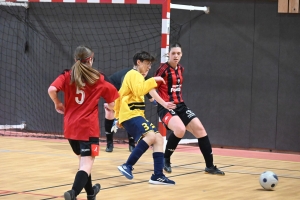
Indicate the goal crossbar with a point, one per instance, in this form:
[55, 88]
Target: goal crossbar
[165, 29]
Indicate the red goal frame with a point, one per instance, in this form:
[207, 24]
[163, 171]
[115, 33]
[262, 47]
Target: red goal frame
[165, 24]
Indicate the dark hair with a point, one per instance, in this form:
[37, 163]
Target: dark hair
[176, 44]
[142, 55]
[81, 72]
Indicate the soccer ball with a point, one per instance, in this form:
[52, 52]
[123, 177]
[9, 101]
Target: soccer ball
[268, 180]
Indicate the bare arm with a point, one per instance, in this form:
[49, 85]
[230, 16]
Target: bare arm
[167, 105]
[59, 106]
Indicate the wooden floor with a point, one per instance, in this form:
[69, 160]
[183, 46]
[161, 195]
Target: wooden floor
[40, 169]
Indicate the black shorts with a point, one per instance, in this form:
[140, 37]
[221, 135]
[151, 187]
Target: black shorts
[181, 110]
[85, 148]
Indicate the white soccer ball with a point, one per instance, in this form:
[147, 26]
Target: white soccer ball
[268, 180]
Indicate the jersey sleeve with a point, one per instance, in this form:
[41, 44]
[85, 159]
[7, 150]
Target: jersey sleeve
[137, 83]
[59, 82]
[109, 92]
[160, 72]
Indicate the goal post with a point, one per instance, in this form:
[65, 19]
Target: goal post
[31, 116]
[37, 40]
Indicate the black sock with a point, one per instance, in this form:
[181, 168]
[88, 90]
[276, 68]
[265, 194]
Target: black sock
[171, 145]
[80, 181]
[131, 140]
[109, 135]
[205, 147]
[89, 187]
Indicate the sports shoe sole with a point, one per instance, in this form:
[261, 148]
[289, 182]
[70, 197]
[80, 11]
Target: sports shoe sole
[215, 174]
[67, 196]
[168, 171]
[159, 183]
[128, 176]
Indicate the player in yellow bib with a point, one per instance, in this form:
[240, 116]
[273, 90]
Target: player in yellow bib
[130, 112]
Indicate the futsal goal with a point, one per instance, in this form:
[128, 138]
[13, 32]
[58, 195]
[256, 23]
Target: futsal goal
[38, 38]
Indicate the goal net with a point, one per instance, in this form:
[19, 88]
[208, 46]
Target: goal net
[37, 44]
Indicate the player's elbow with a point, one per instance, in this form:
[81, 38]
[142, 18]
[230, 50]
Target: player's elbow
[111, 105]
[52, 89]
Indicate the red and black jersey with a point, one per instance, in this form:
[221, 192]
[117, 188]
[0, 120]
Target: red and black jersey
[171, 91]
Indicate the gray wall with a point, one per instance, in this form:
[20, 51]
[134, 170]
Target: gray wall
[242, 57]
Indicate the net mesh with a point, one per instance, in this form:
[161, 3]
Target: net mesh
[37, 44]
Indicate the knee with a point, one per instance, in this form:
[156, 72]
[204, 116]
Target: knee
[159, 138]
[150, 137]
[179, 131]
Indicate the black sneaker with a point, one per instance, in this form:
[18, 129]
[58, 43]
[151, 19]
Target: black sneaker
[70, 195]
[214, 170]
[96, 188]
[109, 147]
[167, 165]
[131, 147]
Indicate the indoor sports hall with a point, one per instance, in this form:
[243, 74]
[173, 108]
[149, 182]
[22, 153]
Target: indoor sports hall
[241, 78]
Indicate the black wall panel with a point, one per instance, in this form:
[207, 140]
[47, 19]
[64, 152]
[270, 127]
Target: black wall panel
[265, 76]
[242, 73]
[241, 66]
[288, 126]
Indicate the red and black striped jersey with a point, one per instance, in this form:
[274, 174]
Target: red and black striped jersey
[171, 91]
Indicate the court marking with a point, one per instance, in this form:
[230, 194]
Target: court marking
[124, 146]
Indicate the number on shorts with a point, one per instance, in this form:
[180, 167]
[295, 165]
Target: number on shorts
[146, 127]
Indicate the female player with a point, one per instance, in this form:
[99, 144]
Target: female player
[83, 86]
[129, 110]
[181, 118]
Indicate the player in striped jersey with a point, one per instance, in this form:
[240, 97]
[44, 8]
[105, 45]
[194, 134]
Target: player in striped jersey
[181, 118]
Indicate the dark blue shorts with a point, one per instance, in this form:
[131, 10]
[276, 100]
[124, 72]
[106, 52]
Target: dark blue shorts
[138, 127]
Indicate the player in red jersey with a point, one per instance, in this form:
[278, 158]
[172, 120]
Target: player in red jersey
[181, 118]
[83, 86]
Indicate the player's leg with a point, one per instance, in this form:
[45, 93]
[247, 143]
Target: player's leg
[83, 175]
[197, 129]
[158, 177]
[138, 130]
[108, 123]
[176, 125]
[131, 142]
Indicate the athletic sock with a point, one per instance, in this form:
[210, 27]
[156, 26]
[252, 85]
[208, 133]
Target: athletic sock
[158, 158]
[108, 123]
[171, 145]
[89, 187]
[80, 181]
[205, 147]
[131, 140]
[138, 151]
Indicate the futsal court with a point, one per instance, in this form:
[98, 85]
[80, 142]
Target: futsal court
[43, 169]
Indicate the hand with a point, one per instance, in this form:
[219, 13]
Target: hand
[169, 105]
[159, 79]
[60, 108]
[115, 126]
[107, 108]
